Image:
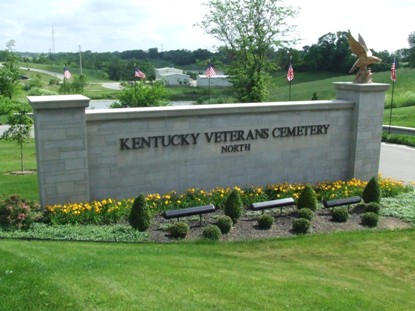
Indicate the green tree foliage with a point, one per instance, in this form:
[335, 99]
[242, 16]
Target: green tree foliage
[233, 205]
[371, 193]
[139, 217]
[20, 125]
[249, 29]
[77, 85]
[141, 94]
[9, 72]
[307, 199]
[411, 51]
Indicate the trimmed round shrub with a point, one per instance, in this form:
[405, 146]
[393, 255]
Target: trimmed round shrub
[139, 217]
[179, 230]
[372, 207]
[307, 199]
[301, 225]
[212, 232]
[340, 214]
[265, 221]
[370, 219]
[372, 193]
[306, 213]
[233, 205]
[225, 224]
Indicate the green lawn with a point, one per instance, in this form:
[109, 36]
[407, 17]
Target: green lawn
[25, 185]
[404, 116]
[344, 271]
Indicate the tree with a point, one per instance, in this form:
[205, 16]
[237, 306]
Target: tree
[9, 72]
[249, 29]
[20, 127]
[141, 94]
[411, 52]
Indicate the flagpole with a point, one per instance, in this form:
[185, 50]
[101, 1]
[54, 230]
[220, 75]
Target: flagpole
[390, 115]
[290, 77]
[393, 77]
[209, 89]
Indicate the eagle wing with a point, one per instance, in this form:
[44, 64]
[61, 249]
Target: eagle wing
[357, 47]
[363, 43]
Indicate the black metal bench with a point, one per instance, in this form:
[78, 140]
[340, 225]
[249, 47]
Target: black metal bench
[272, 204]
[340, 202]
[190, 211]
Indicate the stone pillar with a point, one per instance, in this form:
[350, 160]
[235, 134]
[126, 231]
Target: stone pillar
[61, 148]
[368, 119]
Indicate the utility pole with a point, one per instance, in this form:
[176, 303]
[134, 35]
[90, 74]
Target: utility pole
[53, 41]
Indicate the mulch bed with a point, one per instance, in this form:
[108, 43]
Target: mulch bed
[246, 228]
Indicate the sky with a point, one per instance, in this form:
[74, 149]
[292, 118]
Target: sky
[99, 25]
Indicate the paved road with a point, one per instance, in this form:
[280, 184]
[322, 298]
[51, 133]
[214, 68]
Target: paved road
[398, 162]
[57, 75]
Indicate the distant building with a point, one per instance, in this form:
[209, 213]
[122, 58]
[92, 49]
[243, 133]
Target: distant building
[215, 81]
[160, 72]
[172, 76]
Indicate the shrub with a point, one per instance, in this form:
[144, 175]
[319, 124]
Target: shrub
[265, 221]
[17, 213]
[340, 214]
[307, 199]
[371, 193]
[139, 217]
[225, 224]
[301, 225]
[370, 219]
[179, 230]
[212, 232]
[372, 207]
[233, 205]
[306, 213]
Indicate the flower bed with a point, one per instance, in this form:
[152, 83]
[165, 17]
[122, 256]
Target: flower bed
[110, 211]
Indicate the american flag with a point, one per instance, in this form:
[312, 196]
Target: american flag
[393, 71]
[139, 74]
[66, 73]
[290, 73]
[210, 71]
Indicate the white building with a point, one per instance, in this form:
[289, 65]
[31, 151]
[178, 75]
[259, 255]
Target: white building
[160, 72]
[172, 76]
[215, 81]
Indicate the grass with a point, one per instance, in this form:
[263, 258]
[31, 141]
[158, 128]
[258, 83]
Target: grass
[404, 116]
[400, 139]
[345, 271]
[9, 162]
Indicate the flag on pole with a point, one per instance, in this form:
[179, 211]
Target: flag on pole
[210, 71]
[66, 73]
[290, 73]
[139, 74]
[393, 70]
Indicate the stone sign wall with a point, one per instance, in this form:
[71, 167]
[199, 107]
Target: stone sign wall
[119, 153]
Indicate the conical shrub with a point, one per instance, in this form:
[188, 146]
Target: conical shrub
[139, 217]
[371, 193]
[233, 205]
[307, 199]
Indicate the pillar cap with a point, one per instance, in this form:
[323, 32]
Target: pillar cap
[361, 87]
[58, 101]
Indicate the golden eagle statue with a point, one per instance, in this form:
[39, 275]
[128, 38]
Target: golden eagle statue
[364, 59]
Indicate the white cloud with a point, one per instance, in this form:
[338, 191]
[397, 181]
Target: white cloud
[100, 25]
